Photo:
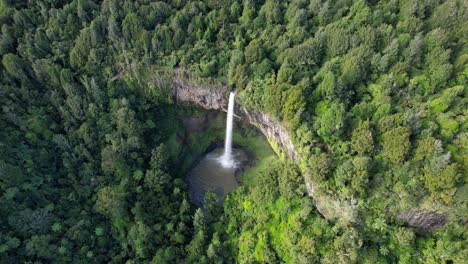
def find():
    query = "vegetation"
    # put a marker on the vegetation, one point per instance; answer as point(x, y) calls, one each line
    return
point(372, 92)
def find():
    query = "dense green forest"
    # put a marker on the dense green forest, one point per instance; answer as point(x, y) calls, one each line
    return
point(373, 94)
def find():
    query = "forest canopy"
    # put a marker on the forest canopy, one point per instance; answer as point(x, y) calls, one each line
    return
point(372, 93)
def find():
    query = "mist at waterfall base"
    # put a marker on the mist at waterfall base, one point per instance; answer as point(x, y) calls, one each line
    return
point(209, 175)
point(216, 171)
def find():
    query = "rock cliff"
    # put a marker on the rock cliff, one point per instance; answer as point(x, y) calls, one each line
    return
point(422, 219)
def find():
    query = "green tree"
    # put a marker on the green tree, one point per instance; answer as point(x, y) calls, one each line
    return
point(362, 138)
point(320, 165)
point(294, 106)
point(352, 176)
point(111, 202)
point(40, 246)
point(140, 237)
point(196, 248)
point(396, 144)
point(289, 181)
point(131, 26)
point(328, 86)
point(440, 177)
point(254, 52)
point(272, 11)
point(15, 66)
point(360, 11)
point(157, 178)
point(332, 122)
point(355, 64)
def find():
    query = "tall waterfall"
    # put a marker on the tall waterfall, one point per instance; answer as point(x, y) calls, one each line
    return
point(226, 158)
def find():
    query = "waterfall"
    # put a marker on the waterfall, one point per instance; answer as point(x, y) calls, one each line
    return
point(226, 158)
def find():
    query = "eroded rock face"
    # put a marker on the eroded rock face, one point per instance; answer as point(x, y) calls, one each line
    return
point(205, 96)
point(422, 219)
point(271, 129)
point(214, 98)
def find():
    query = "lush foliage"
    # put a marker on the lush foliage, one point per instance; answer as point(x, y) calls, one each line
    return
point(372, 92)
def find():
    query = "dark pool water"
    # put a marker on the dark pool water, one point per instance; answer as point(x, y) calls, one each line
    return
point(209, 175)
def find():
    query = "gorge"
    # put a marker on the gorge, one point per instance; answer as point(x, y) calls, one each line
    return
point(212, 96)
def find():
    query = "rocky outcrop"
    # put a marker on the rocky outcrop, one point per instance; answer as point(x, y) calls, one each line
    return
point(216, 98)
point(205, 96)
point(422, 219)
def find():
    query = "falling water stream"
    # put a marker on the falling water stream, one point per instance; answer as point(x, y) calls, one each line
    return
point(226, 159)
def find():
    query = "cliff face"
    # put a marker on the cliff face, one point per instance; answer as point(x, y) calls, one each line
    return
point(212, 98)
point(204, 96)
point(422, 219)
point(216, 98)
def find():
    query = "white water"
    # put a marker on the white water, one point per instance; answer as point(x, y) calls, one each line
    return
point(226, 159)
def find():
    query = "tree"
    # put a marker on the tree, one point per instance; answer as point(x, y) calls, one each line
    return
point(40, 246)
point(328, 85)
point(413, 53)
point(139, 237)
point(131, 26)
point(264, 68)
point(362, 138)
point(338, 39)
point(294, 106)
point(196, 247)
point(253, 52)
point(272, 11)
point(289, 181)
point(396, 144)
point(319, 164)
point(27, 222)
point(404, 236)
point(360, 12)
point(9, 244)
point(352, 176)
point(308, 54)
point(156, 178)
point(86, 41)
point(426, 147)
point(266, 189)
point(440, 177)
point(111, 202)
point(361, 175)
point(168, 254)
point(437, 59)
point(15, 66)
point(355, 64)
point(332, 122)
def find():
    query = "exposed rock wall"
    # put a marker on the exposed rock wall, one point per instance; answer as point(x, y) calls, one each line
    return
point(422, 219)
point(204, 96)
